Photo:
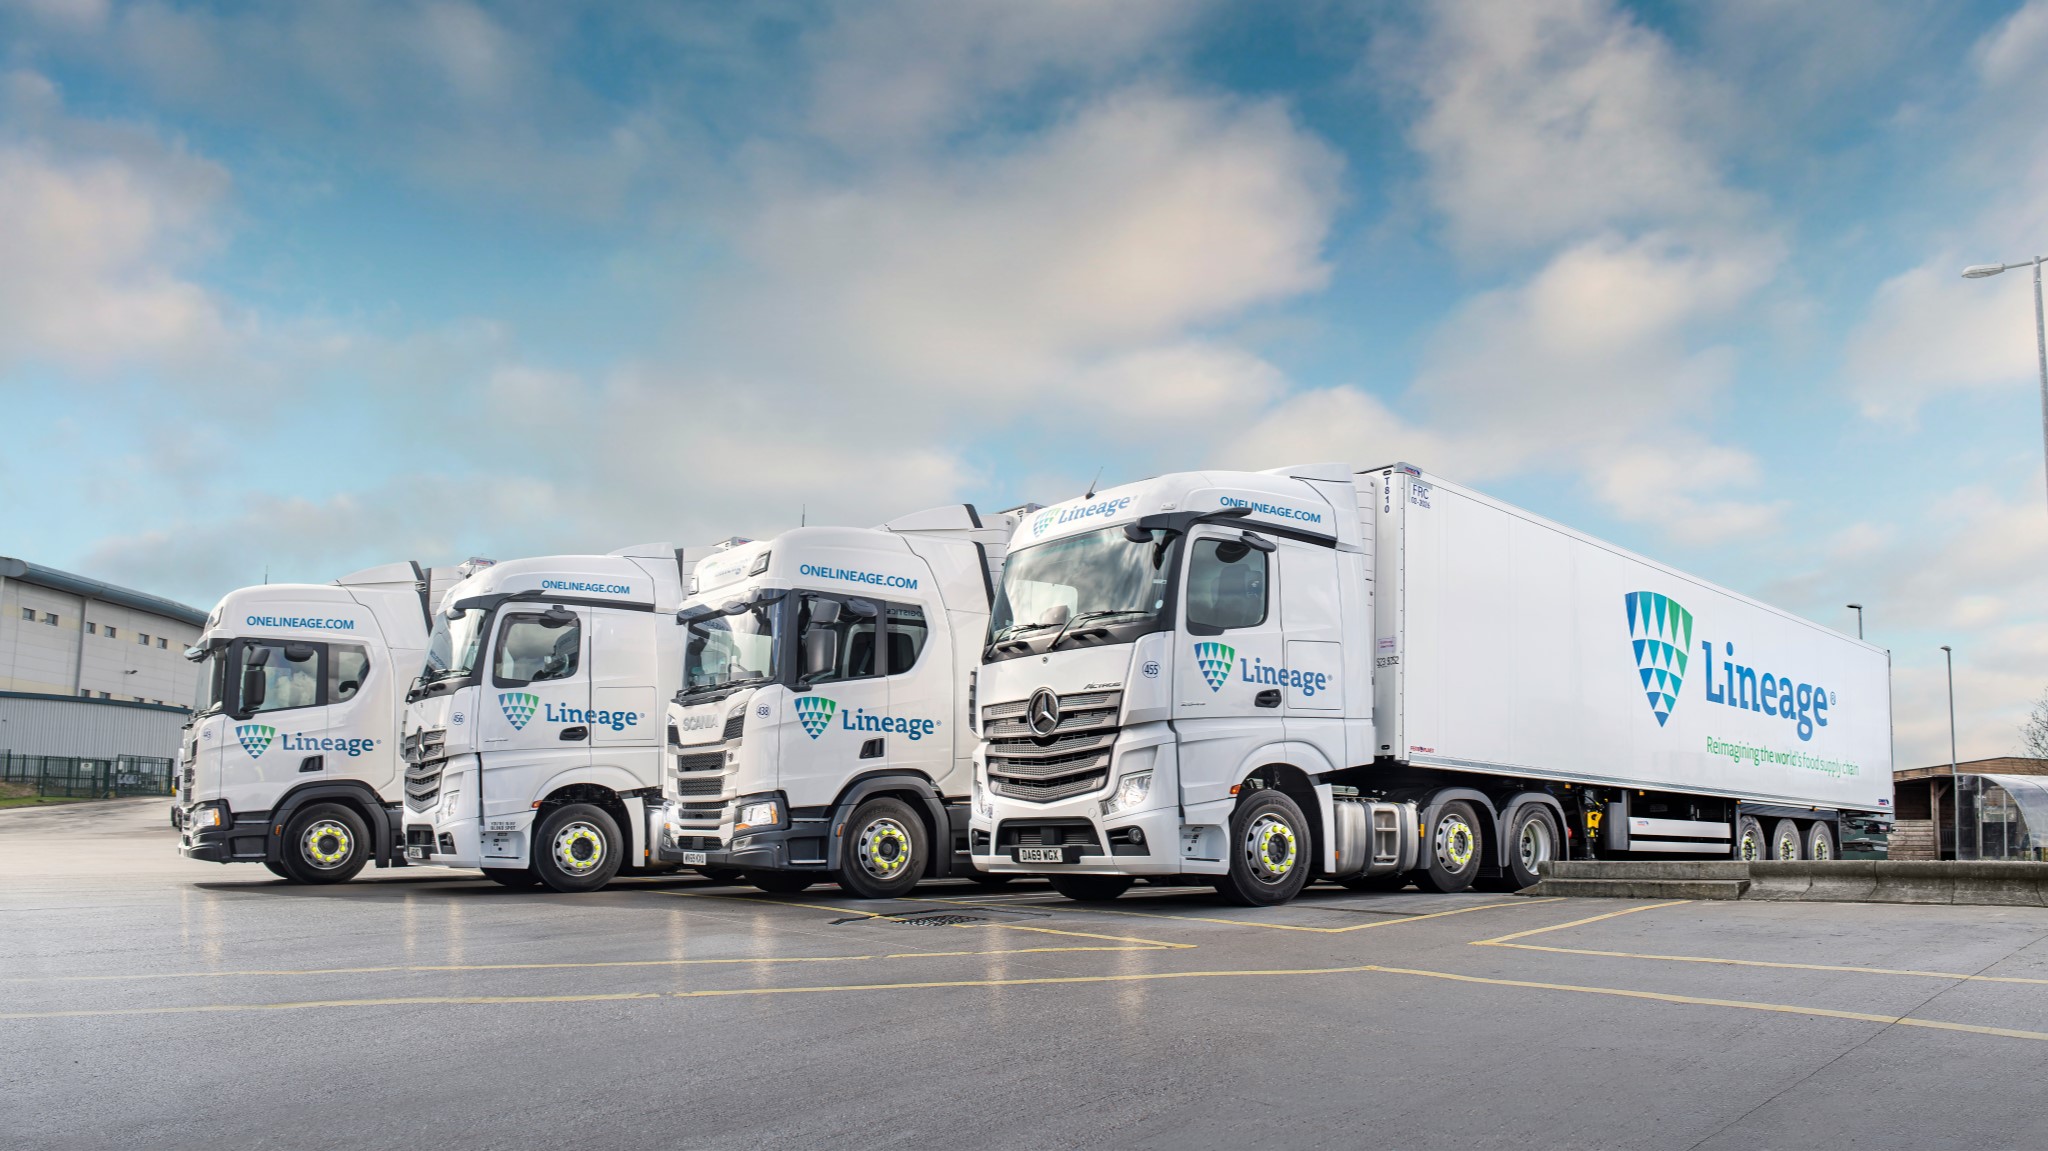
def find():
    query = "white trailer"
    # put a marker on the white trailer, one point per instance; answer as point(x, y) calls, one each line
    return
point(293, 760)
point(822, 730)
point(1256, 678)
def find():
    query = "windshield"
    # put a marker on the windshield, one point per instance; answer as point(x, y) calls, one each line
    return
point(453, 649)
point(1096, 575)
point(738, 646)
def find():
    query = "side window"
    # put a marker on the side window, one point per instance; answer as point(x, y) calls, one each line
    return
point(1226, 586)
point(346, 667)
point(907, 633)
point(534, 648)
point(836, 638)
point(279, 676)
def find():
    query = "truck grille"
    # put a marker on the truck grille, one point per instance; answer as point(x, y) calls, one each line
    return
point(423, 745)
point(1073, 761)
point(711, 785)
point(710, 761)
point(423, 784)
point(735, 724)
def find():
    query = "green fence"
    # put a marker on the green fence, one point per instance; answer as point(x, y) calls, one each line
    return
point(76, 777)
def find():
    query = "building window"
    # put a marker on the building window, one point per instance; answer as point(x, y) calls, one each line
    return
point(106, 695)
point(142, 637)
point(85, 693)
point(50, 617)
point(29, 614)
point(113, 632)
point(160, 643)
point(91, 628)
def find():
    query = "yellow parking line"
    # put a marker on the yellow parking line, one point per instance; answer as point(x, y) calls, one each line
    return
point(1314, 930)
point(1501, 940)
point(1042, 981)
point(1768, 963)
point(428, 968)
point(1151, 944)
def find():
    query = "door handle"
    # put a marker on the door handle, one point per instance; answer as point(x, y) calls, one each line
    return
point(573, 734)
point(1268, 698)
point(872, 749)
point(310, 763)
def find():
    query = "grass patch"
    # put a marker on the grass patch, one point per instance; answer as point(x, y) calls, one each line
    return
point(7, 801)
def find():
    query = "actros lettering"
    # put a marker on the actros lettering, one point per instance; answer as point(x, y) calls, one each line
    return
point(855, 575)
point(859, 720)
point(313, 622)
point(1255, 670)
point(579, 585)
point(1274, 510)
point(616, 720)
point(1740, 687)
point(348, 747)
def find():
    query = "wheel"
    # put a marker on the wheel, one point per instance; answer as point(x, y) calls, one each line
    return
point(512, 876)
point(325, 843)
point(1378, 882)
point(1090, 888)
point(278, 870)
point(578, 848)
point(1820, 841)
point(885, 850)
point(1532, 841)
point(1269, 855)
point(723, 874)
point(779, 882)
point(1785, 840)
point(1454, 849)
point(1750, 844)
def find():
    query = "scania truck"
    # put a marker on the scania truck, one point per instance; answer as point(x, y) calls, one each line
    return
point(1255, 679)
point(292, 761)
point(822, 729)
point(533, 735)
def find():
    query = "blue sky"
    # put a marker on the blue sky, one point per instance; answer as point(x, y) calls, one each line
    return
point(306, 287)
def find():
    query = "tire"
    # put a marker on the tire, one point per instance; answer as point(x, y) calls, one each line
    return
point(1090, 888)
point(1455, 849)
point(1378, 882)
point(1750, 844)
point(514, 877)
point(278, 870)
point(885, 850)
point(325, 843)
point(578, 848)
point(1820, 841)
point(779, 882)
point(1785, 840)
point(726, 875)
point(1532, 841)
point(1270, 856)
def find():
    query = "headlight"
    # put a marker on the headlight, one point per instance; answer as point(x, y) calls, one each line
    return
point(765, 814)
point(1131, 791)
point(981, 804)
point(208, 816)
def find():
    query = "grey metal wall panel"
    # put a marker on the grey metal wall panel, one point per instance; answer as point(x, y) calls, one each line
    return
point(87, 727)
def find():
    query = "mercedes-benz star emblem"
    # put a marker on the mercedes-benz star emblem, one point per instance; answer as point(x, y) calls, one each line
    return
point(1044, 713)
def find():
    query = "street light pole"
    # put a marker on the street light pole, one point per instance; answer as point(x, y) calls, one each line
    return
point(1978, 272)
point(1955, 796)
point(1858, 609)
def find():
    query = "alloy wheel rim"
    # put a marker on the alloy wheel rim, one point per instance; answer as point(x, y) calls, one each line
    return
point(1456, 844)
point(1270, 848)
point(327, 844)
point(1535, 844)
point(884, 849)
point(579, 848)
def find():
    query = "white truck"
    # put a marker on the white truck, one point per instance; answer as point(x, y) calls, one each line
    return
point(1253, 679)
point(292, 761)
point(532, 736)
point(822, 730)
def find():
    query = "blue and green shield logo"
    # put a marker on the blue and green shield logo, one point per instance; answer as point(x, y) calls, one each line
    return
point(255, 738)
point(1215, 660)
point(1662, 634)
point(814, 712)
point(518, 707)
point(1041, 522)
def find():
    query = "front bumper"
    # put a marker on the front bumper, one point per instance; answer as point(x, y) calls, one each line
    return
point(244, 838)
point(1104, 841)
point(800, 843)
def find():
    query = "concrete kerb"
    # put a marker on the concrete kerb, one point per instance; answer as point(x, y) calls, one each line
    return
point(1996, 883)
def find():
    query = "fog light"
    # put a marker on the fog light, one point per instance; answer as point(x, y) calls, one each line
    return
point(1138, 835)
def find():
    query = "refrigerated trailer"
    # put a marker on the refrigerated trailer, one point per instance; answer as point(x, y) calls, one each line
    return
point(1378, 677)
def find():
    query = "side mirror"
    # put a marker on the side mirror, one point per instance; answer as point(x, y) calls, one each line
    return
point(299, 652)
point(1056, 616)
point(821, 651)
point(1261, 542)
point(1136, 534)
point(556, 617)
point(824, 612)
point(252, 689)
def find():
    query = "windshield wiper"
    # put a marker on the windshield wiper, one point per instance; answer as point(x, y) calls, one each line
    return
point(724, 684)
point(1088, 615)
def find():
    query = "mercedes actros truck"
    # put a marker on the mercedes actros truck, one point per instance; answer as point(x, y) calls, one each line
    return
point(533, 733)
point(823, 726)
point(1255, 679)
point(292, 761)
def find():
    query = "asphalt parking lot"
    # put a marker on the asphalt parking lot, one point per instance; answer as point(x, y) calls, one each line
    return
point(152, 1001)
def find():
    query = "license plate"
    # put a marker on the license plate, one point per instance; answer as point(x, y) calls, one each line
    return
point(695, 858)
point(1041, 855)
point(415, 853)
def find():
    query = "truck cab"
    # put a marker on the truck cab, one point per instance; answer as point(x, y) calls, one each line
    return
point(822, 727)
point(292, 761)
point(532, 736)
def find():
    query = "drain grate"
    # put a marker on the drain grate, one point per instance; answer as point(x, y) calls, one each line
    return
point(907, 919)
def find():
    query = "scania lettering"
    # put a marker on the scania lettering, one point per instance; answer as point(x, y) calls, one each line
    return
point(293, 761)
point(823, 732)
point(531, 749)
point(1378, 678)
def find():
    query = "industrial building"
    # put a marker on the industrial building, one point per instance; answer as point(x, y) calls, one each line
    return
point(91, 669)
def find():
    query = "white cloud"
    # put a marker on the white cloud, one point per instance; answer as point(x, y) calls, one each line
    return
point(1931, 332)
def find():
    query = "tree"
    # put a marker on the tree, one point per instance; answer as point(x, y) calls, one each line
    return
point(2034, 732)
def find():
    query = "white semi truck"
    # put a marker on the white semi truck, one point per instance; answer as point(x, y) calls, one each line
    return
point(292, 761)
point(533, 736)
point(1253, 679)
point(822, 730)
